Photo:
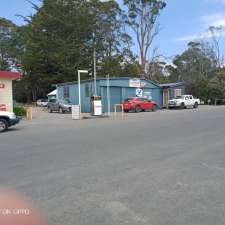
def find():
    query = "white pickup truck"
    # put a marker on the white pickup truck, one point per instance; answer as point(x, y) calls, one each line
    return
point(7, 119)
point(184, 101)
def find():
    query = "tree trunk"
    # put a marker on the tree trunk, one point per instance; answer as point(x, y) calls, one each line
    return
point(29, 96)
point(142, 46)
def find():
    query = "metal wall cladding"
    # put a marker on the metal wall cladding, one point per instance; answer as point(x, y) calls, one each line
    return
point(120, 89)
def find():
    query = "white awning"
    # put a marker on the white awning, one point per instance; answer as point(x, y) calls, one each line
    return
point(53, 93)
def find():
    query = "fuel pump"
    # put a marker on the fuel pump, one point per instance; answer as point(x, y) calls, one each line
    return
point(96, 105)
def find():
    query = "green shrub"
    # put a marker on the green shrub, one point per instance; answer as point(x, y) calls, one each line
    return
point(19, 111)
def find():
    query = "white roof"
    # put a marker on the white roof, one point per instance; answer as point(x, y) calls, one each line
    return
point(52, 93)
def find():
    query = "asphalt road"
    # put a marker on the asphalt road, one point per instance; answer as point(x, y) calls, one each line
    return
point(163, 168)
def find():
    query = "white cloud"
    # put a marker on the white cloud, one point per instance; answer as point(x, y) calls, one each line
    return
point(188, 38)
point(210, 20)
point(215, 1)
point(201, 36)
point(216, 19)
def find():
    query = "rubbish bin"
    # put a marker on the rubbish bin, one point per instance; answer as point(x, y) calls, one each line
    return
point(96, 105)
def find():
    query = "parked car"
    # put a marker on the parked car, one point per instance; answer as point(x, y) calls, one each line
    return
point(7, 119)
point(139, 104)
point(59, 105)
point(42, 102)
point(184, 101)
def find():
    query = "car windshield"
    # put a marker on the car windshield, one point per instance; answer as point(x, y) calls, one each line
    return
point(65, 101)
point(142, 99)
point(179, 97)
point(52, 100)
point(129, 99)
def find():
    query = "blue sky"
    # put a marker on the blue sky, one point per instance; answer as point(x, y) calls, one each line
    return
point(181, 21)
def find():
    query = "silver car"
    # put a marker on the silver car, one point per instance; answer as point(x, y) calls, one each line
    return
point(59, 105)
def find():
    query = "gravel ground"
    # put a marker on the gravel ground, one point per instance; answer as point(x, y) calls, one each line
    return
point(163, 168)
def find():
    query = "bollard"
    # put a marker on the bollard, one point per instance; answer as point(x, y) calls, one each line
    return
point(118, 106)
point(76, 112)
point(29, 113)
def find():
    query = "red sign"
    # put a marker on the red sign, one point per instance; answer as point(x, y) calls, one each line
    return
point(2, 107)
point(2, 85)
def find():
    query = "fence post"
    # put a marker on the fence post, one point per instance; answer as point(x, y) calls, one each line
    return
point(29, 113)
point(118, 106)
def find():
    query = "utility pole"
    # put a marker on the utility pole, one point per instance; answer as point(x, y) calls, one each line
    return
point(79, 88)
point(94, 65)
point(108, 95)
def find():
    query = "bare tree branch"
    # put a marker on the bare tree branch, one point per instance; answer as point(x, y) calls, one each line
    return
point(142, 16)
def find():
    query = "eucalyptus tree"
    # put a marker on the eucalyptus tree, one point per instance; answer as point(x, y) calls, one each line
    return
point(142, 17)
point(7, 30)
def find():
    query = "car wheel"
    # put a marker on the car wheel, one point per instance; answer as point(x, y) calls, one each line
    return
point(3, 125)
point(182, 106)
point(126, 111)
point(49, 110)
point(154, 108)
point(195, 105)
point(61, 110)
point(137, 109)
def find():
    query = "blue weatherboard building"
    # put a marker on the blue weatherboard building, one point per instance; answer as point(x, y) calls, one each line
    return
point(171, 90)
point(120, 88)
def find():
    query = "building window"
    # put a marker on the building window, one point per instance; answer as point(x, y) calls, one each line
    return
point(177, 92)
point(87, 90)
point(66, 92)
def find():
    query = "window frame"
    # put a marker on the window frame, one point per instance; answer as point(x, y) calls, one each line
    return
point(66, 92)
point(177, 92)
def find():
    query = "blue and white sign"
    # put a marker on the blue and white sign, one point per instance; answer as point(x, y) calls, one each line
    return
point(148, 95)
point(135, 83)
point(139, 92)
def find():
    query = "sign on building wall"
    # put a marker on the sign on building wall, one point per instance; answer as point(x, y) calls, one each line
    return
point(143, 84)
point(148, 95)
point(139, 92)
point(6, 99)
point(2, 107)
point(2, 86)
point(137, 83)
point(134, 83)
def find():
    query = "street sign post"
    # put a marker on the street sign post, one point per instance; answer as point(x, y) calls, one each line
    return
point(79, 91)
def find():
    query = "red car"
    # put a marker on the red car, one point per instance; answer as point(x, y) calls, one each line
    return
point(139, 104)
